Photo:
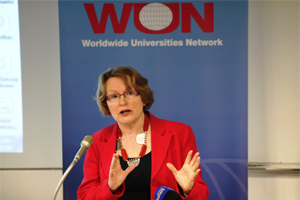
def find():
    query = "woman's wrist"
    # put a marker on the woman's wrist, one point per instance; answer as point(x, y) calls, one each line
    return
point(183, 192)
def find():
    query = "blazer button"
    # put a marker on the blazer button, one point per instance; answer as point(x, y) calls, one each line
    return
point(153, 183)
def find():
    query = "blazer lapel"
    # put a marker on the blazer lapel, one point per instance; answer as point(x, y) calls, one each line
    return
point(160, 141)
point(107, 149)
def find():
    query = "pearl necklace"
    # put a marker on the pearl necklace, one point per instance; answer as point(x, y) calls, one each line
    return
point(139, 138)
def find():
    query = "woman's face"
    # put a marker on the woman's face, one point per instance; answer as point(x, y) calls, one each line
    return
point(125, 111)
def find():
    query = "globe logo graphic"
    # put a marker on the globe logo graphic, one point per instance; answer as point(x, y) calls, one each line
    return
point(156, 16)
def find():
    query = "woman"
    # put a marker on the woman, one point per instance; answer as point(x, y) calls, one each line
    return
point(138, 154)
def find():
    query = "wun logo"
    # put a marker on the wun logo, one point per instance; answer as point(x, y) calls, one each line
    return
point(156, 16)
point(152, 18)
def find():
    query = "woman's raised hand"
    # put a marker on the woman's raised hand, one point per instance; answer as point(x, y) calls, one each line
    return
point(116, 174)
point(189, 171)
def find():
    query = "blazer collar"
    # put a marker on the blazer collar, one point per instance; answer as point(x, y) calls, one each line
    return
point(160, 141)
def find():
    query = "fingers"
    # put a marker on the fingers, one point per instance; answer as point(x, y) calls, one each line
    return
point(197, 173)
point(188, 157)
point(195, 159)
point(114, 162)
point(198, 161)
point(116, 174)
point(195, 162)
point(129, 169)
point(172, 168)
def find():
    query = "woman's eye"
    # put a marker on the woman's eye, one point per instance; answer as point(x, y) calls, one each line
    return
point(114, 96)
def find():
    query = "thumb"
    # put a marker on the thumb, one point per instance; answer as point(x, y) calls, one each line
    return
point(129, 169)
point(172, 168)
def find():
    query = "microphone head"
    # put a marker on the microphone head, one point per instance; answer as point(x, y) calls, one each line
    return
point(165, 193)
point(87, 141)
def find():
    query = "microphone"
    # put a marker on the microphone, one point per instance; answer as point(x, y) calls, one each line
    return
point(85, 144)
point(165, 193)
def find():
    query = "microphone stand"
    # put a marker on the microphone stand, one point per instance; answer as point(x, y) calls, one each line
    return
point(85, 144)
point(64, 177)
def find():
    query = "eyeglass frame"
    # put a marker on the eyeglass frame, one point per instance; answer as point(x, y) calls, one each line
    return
point(119, 95)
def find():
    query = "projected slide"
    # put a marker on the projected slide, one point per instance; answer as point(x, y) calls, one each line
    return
point(11, 115)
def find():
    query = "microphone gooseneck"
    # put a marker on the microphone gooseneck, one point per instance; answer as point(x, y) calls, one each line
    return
point(85, 144)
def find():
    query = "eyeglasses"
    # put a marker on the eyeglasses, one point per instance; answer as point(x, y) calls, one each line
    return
point(127, 95)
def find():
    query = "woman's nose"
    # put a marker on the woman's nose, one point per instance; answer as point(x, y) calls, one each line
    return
point(122, 100)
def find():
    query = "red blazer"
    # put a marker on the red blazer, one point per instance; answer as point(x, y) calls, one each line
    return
point(171, 141)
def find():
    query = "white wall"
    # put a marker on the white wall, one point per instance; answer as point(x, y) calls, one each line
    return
point(273, 97)
point(274, 81)
point(273, 133)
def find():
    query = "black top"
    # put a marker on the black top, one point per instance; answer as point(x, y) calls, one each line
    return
point(137, 183)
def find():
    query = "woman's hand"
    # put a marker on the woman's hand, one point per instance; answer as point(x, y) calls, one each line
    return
point(116, 174)
point(186, 175)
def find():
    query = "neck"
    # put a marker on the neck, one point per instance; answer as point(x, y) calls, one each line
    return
point(133, 129)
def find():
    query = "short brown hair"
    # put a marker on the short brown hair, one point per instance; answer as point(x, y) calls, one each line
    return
point(138, 82)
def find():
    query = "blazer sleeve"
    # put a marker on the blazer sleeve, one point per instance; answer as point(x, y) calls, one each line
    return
point(94, 185)
point(200, 190)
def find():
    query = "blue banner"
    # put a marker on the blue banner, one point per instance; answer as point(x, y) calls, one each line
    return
point(195, 56)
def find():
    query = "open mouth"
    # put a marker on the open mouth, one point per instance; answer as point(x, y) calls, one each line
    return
point(124, 111)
